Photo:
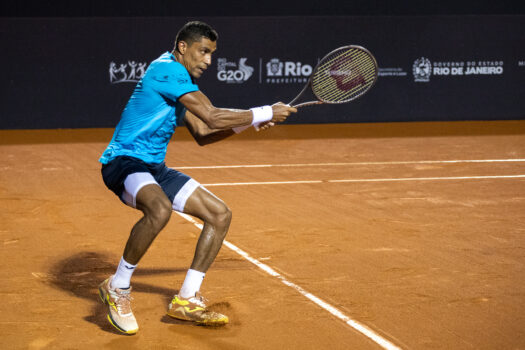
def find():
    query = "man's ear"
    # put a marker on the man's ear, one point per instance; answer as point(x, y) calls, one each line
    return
point(182, 47)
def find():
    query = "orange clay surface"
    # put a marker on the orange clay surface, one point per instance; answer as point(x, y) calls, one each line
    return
point(422, 253)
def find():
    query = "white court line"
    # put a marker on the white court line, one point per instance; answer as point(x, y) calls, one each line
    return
point(385, 344)
point(350, 164)
point(365, 180)
point(264, 183)
point(434, 178)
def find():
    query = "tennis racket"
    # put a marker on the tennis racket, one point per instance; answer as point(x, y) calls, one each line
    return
point(341, 76)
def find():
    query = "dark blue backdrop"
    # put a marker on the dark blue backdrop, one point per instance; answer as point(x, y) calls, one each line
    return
point(69, 73)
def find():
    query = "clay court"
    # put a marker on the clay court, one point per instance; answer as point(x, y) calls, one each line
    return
point(407, 235)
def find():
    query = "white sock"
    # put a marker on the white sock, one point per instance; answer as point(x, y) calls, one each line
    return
point(122, 277)
point(192, 283)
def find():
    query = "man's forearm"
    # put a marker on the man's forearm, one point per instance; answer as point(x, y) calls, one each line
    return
point(214, 137)
point(223, 118)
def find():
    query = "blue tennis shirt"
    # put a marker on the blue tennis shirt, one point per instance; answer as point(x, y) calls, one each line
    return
point(152, 113)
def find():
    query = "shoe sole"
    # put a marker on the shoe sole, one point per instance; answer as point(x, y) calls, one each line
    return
point(101, 294)
point(218, 323)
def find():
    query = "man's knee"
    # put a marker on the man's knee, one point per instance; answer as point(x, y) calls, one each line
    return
point(155, 205)
point(158, 212)
point(222, 215)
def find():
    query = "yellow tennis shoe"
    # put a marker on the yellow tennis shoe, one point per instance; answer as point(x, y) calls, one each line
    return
point(119, 304)
point(194, 309)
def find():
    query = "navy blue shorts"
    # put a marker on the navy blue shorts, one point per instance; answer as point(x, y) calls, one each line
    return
point(125, 176)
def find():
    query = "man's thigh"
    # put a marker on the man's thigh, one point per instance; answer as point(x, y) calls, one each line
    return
point(177, 186)
point(189, 196)
point(125, 176)
point(205, 205)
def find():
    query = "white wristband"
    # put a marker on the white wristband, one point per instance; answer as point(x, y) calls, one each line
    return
point(261, 114)
point(240, 129)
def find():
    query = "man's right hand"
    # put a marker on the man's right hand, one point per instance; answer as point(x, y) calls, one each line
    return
point(281, 111)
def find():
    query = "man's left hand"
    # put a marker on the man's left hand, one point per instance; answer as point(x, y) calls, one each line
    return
point(265, 126)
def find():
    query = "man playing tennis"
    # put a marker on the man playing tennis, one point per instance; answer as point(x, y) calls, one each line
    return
point(134, 169)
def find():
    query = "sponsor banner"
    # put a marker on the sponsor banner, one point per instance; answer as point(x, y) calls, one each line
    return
point(129, 72)
point(423, 68)
point(285, 72)
point(80, 72)
point(392, 72)
point(233, 72)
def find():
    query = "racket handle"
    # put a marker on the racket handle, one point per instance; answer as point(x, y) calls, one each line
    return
point(305, 104)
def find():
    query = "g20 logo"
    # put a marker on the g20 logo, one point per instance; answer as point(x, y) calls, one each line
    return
point(231, 72)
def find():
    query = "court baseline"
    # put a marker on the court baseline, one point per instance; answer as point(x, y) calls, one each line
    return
point(366, 180)
point(352, 163)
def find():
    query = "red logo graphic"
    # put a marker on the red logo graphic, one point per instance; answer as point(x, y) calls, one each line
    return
point(345, 74)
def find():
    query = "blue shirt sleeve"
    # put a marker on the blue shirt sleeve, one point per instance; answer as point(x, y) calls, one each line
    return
point(172, 81)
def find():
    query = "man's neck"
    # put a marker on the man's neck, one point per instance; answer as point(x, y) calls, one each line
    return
point(177, 55)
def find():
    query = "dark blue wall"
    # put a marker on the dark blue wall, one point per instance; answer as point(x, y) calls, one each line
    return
point(58, 72)
point(214, 8)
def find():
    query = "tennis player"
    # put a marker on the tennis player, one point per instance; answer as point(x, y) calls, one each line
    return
point(133, 168)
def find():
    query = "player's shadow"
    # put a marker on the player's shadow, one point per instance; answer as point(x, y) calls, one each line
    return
point(80, 275)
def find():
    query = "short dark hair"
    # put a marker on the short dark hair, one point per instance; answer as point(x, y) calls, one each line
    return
point(194, 31)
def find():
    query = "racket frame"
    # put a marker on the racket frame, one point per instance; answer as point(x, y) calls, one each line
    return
point(309, 83)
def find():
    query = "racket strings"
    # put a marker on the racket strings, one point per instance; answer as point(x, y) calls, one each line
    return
point(349, 75)
point(352, 57)
point(348, 63)
point(340, 94)
point(344, 75)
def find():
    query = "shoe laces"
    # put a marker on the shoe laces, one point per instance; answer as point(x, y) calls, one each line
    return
point(199, 299)
point(123, 300)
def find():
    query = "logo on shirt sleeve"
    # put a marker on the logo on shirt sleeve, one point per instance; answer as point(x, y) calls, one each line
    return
point(181, 79)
